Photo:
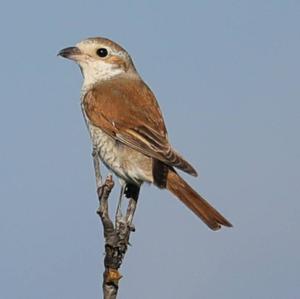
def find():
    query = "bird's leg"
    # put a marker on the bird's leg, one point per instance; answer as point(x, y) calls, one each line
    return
point(119, 206)
point(103, 191)
point(96, 162)
point(131, 192)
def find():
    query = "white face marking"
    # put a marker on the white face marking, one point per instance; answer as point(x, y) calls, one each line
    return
point(97, 70)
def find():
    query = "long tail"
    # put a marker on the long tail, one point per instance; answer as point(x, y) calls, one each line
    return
point(195, 202)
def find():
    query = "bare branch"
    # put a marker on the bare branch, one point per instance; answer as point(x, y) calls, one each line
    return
point(116, 236)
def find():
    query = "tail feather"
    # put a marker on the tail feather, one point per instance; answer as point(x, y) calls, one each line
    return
point(176, 160)
point(195, 202)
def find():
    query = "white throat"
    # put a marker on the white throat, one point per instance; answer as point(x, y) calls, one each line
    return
point(97, 71)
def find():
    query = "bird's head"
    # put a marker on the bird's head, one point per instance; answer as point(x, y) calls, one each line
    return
point(99, 59)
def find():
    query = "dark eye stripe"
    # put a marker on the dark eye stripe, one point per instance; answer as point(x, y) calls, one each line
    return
point(102, 52)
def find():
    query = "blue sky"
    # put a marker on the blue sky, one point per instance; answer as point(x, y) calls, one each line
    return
point(226, 75)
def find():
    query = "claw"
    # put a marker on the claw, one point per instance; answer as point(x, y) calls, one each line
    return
point(132, 227)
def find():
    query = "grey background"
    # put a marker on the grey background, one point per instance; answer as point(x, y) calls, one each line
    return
point(226, 74)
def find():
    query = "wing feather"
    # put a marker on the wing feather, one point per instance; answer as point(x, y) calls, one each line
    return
point(127, 110)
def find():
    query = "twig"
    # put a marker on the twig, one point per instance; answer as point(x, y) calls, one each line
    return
point(116, 236)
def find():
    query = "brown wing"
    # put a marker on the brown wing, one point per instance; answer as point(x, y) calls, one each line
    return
point(127, 110)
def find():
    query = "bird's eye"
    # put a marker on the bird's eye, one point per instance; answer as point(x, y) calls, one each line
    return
point(102, 52)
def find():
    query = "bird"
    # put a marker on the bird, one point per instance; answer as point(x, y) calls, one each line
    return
point(127, 128)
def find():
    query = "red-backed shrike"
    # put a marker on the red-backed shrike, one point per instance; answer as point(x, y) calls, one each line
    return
point(127, 127)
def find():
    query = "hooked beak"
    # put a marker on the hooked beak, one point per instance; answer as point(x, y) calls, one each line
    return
point(70, 53)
